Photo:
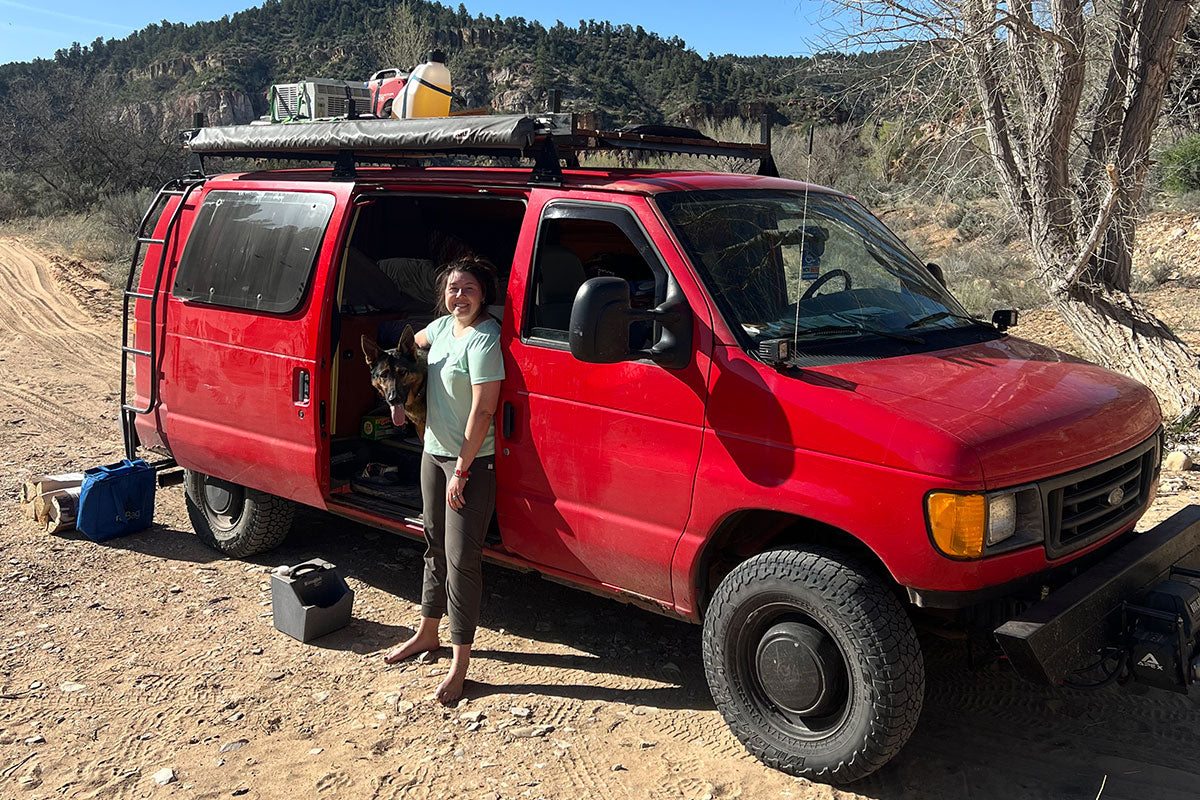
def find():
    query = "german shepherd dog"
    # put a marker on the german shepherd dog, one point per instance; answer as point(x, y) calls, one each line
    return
point(399, 377)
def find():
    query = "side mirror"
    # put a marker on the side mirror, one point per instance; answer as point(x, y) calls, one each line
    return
point(937, 273)
point(1005, 319)
point(600, 320)
point(599, 327)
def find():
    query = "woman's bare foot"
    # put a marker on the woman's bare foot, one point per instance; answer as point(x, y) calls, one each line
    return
point(451, 688)
point(425, 639)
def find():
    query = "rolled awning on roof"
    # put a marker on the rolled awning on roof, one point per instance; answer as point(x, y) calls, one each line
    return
point(514, 132)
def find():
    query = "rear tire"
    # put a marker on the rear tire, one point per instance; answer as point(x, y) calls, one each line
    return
point(813, 663)
point(237, 521)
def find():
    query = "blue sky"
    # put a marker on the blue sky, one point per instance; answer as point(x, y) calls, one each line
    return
point(36, 28)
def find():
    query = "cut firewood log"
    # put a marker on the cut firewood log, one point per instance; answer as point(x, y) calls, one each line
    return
point(29, 510)
point(64, 508)
point(43, 502)
point(50, 483)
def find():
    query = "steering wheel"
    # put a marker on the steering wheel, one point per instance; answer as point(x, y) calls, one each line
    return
point(824, 279)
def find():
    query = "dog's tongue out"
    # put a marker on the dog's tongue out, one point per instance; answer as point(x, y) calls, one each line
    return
point(398, 417)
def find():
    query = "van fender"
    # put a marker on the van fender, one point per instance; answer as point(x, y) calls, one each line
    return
point(699, 565)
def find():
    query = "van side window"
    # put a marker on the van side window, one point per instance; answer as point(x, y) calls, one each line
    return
point(253, 250)
point(571, 250)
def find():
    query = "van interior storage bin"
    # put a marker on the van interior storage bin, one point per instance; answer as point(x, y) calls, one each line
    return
point(310, 600)
point(116, 500)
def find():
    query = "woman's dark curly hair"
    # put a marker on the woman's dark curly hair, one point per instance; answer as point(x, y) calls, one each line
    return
point(478, 268)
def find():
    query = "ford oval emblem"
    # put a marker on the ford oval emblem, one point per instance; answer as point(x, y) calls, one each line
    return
point(1115, 497)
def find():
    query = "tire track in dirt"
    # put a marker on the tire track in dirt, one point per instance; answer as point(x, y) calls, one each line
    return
point(33, 306)
point(60, 363)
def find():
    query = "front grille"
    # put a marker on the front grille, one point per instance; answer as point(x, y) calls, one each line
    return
point(1092, 502)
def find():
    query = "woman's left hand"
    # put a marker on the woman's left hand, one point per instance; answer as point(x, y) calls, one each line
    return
point(455, 489)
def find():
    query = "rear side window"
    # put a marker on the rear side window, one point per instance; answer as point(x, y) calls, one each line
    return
point(253, 250)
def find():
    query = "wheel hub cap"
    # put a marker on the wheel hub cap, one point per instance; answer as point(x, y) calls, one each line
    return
point(220, 496)
point(800, 668)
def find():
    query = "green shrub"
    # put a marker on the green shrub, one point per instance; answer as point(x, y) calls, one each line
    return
point(16, 196)
point(974, 223)
point(122, 213)
point(1181, 165)
point(954, 217)
point(1153, 274)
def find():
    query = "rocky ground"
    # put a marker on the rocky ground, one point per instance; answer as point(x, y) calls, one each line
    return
point(148, 666)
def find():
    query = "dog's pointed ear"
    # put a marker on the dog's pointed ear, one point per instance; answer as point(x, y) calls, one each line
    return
point(370, 350)
point(408, 341)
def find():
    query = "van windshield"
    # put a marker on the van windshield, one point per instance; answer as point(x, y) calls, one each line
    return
point(820, 271)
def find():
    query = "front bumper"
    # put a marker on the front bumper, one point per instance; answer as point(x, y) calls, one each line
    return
point(1058, 635)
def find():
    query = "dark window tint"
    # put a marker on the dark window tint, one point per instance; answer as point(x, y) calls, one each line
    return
point(571, 251)
point(253, 249)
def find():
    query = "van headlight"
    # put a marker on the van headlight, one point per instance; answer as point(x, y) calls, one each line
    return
point(1002, 518)
point(967, 525)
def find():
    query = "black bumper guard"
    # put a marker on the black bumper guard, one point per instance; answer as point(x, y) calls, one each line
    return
point(1055, 636)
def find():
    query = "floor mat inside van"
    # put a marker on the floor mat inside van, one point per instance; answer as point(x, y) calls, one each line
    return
point(405, 494)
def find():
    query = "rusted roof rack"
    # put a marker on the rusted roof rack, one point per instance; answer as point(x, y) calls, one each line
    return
point(548, 139)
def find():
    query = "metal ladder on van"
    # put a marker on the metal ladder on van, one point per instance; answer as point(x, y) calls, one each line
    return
point(177, 187)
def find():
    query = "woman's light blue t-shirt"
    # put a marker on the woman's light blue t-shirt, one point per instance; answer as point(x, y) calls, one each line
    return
point(455, 365)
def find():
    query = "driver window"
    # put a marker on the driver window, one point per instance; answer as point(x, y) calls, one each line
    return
point(571, 250)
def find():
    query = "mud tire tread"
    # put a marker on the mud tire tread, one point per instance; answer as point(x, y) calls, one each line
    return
point(263, 525)
point(875, 634)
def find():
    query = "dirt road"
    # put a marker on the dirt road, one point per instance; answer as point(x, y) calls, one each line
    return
point(152, 652)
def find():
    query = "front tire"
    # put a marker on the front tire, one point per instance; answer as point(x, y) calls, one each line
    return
point(237, 521)
point(813, 663)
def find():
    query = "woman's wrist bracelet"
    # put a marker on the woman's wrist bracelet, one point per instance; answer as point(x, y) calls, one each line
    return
point(462, 473)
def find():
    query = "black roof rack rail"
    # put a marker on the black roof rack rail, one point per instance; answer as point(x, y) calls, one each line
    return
point(547, 139)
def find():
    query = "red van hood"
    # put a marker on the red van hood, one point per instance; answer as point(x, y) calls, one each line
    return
point(1027, 411)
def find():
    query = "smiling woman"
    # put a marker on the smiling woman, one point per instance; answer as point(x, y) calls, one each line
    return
point(458, 479)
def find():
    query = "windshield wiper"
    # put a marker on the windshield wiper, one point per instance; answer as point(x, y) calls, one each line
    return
point(937, 316)
point(826, 329)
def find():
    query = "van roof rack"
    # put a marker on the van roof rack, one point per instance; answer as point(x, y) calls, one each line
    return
point(547, 138)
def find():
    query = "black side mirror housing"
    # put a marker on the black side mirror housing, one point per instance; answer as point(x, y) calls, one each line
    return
point(599, 327)
point(937, 273)
point(600, 320)
point(1005, 319)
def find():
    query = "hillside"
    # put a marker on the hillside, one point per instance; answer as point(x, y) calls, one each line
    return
point(507, 64)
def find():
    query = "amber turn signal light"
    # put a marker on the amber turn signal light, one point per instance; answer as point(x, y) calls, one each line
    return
point(957, 522)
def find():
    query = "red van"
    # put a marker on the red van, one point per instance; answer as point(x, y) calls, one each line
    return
point(731, 398)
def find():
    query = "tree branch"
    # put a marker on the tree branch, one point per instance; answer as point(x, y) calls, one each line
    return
point(1107, 123)
point(1099, 227)
point(1014, 23)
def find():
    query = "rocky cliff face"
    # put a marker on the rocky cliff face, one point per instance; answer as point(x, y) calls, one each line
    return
point(181, 66)
point(220, 107)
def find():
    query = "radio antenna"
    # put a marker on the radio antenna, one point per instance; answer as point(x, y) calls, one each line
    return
point(803, 236)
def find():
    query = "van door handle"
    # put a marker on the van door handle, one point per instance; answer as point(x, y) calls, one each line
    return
point(301, 387)
point(507, 415)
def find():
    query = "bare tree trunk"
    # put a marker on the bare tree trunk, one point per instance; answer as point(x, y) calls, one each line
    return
point(1125, 336)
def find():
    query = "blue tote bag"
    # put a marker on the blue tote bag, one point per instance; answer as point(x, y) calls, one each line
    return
point(116, 500)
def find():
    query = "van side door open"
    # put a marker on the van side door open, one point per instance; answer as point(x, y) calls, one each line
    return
point(243, 366)
point(595, 462)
